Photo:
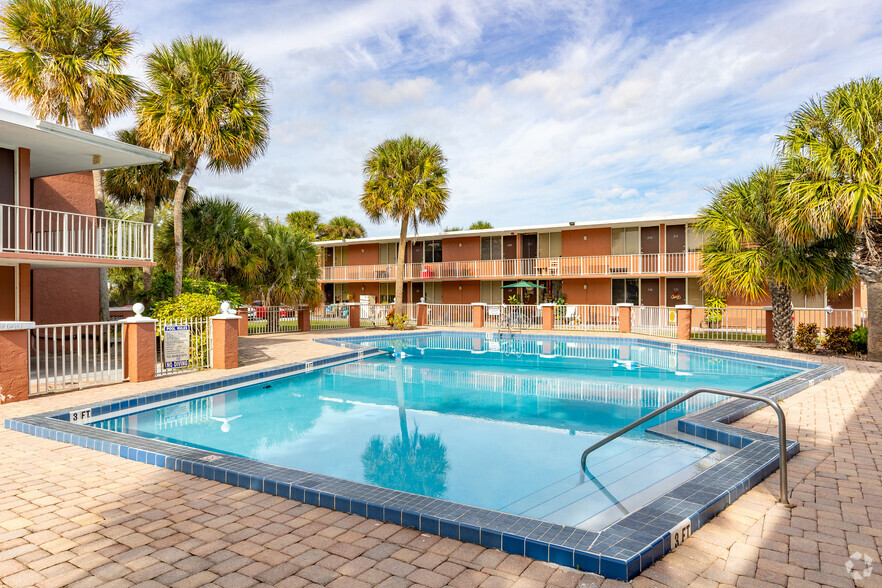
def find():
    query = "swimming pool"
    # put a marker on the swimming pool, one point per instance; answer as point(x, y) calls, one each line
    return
point(472, 437)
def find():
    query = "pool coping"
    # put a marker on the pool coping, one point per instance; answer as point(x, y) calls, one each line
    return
point(620, 551)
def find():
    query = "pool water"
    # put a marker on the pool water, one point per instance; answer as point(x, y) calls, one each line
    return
point(498, 425)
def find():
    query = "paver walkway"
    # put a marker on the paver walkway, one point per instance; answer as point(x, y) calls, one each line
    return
point(70, 516)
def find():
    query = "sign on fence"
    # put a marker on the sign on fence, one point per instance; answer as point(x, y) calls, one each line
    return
point(493, 311)
point(177, 346)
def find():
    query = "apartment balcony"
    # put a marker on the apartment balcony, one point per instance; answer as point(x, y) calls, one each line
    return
point(66, 239)
point(617, 266)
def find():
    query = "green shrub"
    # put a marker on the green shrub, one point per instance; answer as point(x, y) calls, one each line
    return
point(163, 285)
point(186, 306)
point(858, 338)
point(399, 322)
point(714, 302)
point(837, 340)
point(807, 337)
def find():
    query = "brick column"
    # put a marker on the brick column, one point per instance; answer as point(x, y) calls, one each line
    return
point(225, 339)
point(625, 309)
point(478, 315)
point(422, 313)
point(354, 315)
point(684, 321)
point(770, 325)
point(303, 324)
point(139, 346)
point(243, 322)
point(547, 316)
point(14, 375)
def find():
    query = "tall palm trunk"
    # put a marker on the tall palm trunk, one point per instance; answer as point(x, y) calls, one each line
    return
point(399, 274)
point(85, 124)
point(149, 214)
point(178, 220)
point(782, 315)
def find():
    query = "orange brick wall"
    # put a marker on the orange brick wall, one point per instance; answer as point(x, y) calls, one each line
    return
point(461, 249)
point(574, 243)
point(451, 294)
point(599, 291)
point(367, 254)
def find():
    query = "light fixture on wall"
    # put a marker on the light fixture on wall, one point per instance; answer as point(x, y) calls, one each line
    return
point(460, 244)
point(362, 249)
point(460, 288)
point(584, 237)
point(362, 288)
point(584, 287)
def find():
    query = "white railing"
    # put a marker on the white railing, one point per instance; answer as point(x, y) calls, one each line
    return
point(263, 320)
point(654, 320)
point(199, 341)
point(586, 317)
point(74, 356)
point(374, 315)
point(729, 324)
point(518, 316)
point(831, 317)
point(329, 316)
point(449, 315)
point(38, 231)
point(588, 265)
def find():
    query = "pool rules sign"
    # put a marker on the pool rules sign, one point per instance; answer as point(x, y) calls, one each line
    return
point(177, 346)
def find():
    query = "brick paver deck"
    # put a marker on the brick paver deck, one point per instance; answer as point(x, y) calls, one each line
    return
point(70, 516)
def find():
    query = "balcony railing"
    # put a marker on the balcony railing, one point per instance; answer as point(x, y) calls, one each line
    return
point(51, 232)
point(544, 267)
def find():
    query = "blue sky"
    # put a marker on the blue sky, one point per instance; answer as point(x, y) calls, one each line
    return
point(547, 111)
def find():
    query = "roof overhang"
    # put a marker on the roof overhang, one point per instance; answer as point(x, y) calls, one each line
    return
point(56, 149)
point(572, 225)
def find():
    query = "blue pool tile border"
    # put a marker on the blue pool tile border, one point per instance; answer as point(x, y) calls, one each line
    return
point(620, 551)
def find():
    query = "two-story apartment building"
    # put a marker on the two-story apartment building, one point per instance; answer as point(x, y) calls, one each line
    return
point(51, 241)
point(650, 262)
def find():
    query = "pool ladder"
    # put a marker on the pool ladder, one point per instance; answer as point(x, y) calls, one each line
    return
point(782, 430)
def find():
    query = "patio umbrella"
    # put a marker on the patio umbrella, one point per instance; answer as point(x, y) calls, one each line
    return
point(523, 284)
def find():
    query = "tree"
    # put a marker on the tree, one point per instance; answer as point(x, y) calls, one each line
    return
point(744, 251)
point(304, 220)
point(452, 229)
point(289, 270)
point(833, 153)
point(66, 59)
point(340, 227)
point(147, 185)
point(478, 225)
point(204, 101)
point(220, 236)
point(405, 182)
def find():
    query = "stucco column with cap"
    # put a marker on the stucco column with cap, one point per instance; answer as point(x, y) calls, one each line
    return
point(684, 321)
point(547, 316)
point(139, 346)
point(770, 325)
point(303, 323)
point(478, 315)
point(354, 315)
point(422, 314)
point(14, 375)
point(225, 339)
point(243, 322)
point(625, 309)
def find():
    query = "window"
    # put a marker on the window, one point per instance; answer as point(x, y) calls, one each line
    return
point(432, 251)
point(388, 253)
point(432, 292)
point(808, 301)
point(626, 241)
point(387, 294)
point(549, 245)
point(491, 292)
point(694, 239)
point(491, 248)
point(626, 290)
point(341, 292)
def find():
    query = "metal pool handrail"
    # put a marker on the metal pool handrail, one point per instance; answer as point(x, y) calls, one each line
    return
point(782, 429)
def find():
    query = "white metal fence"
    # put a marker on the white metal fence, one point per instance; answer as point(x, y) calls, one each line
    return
point(729, 324)
point(449, 315)
point(34, 230)
point(831, 317)
point(654, 320)
point(586, 317)
point(74, 356)
point(329, 316)
point(198, 346)
point(272, 319)
point(516, 316)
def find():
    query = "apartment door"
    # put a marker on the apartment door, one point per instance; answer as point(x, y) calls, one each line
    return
point(649, 247)
point(509, 252)
point(649, 294)
point(675, 248)
point(529, 253)
point(417, 291)
point(7, 196)
point(675, 291)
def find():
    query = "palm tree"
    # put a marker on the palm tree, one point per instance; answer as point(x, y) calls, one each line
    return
point(833, 154)
point(478, 225)
point(405, 182)
point(220, 235)
point(744, 252)
point(204, 101)
point(289, 270)
point(66, 59)
point(148, 185)
point(304, 220)
point(341, 227)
